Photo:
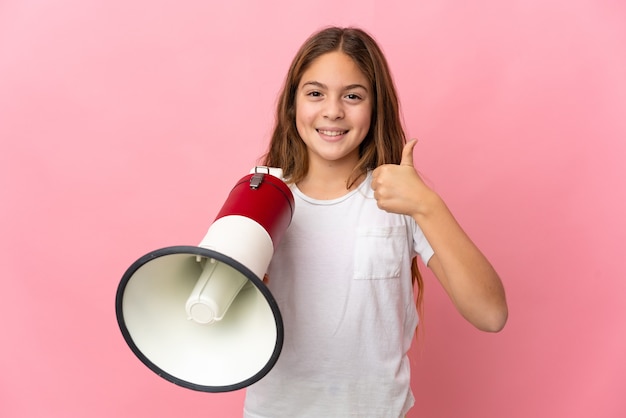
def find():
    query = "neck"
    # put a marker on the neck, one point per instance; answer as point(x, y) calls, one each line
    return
point(328, 181)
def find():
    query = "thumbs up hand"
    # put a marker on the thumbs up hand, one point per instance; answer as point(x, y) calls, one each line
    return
point(398, 188)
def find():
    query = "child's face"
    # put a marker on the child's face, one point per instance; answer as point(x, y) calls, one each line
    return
point(333, 109)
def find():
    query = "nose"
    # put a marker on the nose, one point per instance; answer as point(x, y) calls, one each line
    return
point(333, 109)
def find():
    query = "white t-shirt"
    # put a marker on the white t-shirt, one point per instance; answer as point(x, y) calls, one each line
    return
point(342, 279)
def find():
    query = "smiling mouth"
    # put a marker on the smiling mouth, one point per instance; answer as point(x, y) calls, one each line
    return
point(331, 133)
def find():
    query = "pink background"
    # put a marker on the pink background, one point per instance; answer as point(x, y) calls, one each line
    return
point(124, 124)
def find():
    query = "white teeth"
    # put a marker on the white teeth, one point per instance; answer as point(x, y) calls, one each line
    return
point(332, 133)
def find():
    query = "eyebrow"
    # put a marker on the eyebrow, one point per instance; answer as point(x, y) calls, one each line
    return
point(324, 86)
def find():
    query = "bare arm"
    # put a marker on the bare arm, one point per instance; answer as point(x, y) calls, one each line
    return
point(464, 272)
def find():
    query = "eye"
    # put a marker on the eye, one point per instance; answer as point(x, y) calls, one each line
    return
point(314, 93)
point(353, 96)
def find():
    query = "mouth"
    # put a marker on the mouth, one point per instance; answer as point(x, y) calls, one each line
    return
point(331, 132)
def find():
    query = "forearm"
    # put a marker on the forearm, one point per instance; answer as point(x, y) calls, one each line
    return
point(465, 273)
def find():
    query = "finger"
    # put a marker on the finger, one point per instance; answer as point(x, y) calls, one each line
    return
point(407, 153)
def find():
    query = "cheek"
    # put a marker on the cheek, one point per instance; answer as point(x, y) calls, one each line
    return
point(300, 124)
point(298, 119)
point(365, 120)
point(304, 117)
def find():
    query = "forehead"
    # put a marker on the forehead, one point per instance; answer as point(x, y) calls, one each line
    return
point(335, 70)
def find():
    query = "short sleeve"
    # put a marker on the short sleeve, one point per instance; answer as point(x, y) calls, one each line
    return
point(421, 246)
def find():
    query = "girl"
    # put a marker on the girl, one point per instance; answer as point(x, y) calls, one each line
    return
point(342, 274)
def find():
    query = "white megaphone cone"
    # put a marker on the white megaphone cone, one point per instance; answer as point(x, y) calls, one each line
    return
point(201, 316)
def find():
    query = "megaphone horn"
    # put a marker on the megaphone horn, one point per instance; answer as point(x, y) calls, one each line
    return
point(201, 316)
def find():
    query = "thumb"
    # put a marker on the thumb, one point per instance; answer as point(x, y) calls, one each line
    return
point(407, 153)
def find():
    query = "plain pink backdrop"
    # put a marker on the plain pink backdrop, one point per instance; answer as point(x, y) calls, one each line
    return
point(124, 124)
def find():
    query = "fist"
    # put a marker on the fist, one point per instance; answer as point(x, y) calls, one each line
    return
point(397, 187)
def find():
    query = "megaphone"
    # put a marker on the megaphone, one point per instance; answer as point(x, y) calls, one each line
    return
point(201, 316)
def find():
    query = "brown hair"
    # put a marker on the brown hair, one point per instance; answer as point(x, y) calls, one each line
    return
point(383, 143)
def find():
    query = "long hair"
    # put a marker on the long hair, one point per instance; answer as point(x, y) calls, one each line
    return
point(385, 139)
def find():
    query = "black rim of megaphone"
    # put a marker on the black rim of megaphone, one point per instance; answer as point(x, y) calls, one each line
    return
point(203, 252)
